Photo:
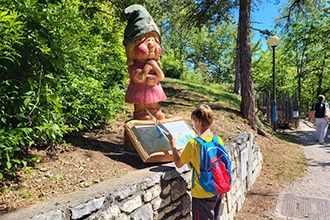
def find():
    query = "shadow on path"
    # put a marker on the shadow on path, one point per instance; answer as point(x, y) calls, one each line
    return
point(309, 196)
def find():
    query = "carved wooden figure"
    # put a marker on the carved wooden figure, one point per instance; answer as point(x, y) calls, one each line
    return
point(142, 44)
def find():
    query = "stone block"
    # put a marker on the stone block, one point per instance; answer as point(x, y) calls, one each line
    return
point(111, 212)
point(151, 193)
point(171, 174)
point(167, 189)
point(145, 212)
point(159, 203)
point(122, 216)
point(131, 204)
point(124, 192)
point(186, 203)
point(87, 208)
point(149, 182)
point(178, 188)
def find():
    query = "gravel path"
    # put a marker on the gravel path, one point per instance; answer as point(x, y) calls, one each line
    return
point(309, 196)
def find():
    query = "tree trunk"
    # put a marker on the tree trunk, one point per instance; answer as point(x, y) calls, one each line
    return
point(248, 99)
point(237, 86)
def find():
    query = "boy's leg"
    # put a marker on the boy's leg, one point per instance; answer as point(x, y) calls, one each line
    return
point(217, 208)
point(206, 209)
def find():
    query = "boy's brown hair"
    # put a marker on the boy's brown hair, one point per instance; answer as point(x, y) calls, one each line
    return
point(204, 114)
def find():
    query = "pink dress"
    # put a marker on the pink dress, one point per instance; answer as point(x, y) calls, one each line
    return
point(141, 93)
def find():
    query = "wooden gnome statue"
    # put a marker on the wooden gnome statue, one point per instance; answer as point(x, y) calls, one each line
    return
point(142, 44)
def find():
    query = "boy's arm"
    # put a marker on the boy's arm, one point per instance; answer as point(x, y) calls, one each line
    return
point(175, 152)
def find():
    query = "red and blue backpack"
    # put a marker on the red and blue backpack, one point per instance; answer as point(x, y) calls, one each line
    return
point(215, 169)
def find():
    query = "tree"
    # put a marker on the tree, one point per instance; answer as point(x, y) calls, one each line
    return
point(237, 83)
point(248, 98)
point(305, 36)
point(212, 11)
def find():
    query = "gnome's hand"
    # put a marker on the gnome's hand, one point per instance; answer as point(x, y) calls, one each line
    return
point(157, 69)
point(153, 79)
point(142, 74)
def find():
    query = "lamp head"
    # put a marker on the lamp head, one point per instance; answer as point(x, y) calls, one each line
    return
point(273, 41)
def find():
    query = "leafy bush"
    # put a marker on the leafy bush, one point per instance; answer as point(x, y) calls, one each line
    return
point(62, 67)
point(10, 35)
point(172, 67)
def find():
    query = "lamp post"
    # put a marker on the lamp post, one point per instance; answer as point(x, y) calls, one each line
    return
point(273, 42)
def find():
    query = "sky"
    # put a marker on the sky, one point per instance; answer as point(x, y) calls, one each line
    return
point(264, 18)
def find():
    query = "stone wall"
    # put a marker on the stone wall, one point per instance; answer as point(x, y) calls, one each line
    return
point(161, 192)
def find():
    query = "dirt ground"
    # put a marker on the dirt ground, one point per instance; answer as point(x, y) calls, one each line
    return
point(100, 155)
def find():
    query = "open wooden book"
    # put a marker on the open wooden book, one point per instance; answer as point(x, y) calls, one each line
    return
point(149, 137)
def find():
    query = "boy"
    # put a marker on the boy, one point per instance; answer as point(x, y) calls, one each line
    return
point(204, 204)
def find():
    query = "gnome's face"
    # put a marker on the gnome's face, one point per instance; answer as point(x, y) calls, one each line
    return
point(149, 48)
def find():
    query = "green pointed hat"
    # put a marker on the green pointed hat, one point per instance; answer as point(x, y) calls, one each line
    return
point(139, 22)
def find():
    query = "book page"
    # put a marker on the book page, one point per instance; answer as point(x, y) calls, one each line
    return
point(181, 132)
point(152, 138)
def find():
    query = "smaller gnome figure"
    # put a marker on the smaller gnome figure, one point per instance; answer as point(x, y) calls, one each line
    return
point(142, 44)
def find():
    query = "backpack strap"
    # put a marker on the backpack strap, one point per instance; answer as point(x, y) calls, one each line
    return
point(201, 141)
point(198, 160)
point(193, 177)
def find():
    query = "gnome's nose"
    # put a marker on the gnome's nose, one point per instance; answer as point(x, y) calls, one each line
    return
point(150, 41)
point(151, 44)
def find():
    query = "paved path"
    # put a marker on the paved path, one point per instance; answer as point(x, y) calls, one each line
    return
point(309, 196)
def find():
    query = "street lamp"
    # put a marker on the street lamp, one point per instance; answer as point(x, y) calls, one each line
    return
point(273, 42)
